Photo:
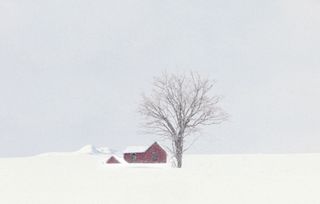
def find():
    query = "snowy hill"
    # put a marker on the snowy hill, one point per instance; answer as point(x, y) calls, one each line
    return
point(223, 179)
point(90, 149)
point(87, 149)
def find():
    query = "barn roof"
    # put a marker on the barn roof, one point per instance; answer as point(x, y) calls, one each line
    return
point(135, 149)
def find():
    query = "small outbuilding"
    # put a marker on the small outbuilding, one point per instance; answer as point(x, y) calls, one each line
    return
point(113, 160)
point(145, 154)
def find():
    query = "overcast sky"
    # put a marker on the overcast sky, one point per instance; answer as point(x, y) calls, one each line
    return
point(72, 71)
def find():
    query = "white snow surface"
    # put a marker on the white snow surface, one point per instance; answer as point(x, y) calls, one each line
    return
point(204, 179)
point(135, 149)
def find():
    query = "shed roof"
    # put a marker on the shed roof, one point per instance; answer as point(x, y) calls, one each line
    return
point(120, 159)
point(112, 161)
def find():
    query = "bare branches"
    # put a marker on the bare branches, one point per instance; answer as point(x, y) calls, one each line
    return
point(178, 108)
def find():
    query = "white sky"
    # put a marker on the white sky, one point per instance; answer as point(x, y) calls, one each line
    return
point(72, 71)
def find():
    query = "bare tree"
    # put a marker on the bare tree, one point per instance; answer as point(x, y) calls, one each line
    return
point(178, 107)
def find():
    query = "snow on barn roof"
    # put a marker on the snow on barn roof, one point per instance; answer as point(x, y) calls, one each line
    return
point(135, 149)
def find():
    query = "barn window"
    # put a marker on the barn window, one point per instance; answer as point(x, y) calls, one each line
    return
point(133, 156)
point(154, 156)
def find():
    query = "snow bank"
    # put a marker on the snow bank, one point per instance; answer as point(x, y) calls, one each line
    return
point(87, 149)
point(205, 179)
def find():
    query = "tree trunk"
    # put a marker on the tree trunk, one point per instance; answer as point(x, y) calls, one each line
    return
point(179, 151)
point(179, 160)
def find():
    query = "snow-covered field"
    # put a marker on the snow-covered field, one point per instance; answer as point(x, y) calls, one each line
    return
point(214, 179)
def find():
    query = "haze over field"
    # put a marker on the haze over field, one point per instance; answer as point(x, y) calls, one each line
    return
point(72, 71)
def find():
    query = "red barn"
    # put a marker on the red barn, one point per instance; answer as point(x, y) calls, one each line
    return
point(141, 154)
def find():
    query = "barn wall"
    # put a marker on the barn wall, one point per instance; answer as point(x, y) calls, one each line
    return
point(162, 155)
point(139, 156)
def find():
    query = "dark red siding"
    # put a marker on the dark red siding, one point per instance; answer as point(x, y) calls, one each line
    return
point(154, 154)
point(112, 160)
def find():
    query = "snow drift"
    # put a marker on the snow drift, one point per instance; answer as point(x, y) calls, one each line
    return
point(86, 150)
point(223, 179)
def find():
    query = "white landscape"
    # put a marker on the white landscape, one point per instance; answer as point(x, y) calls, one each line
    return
point(230, 87)
point(82, 177)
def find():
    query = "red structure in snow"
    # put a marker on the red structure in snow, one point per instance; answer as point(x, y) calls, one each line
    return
point(112, 160)
point(153, 154)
